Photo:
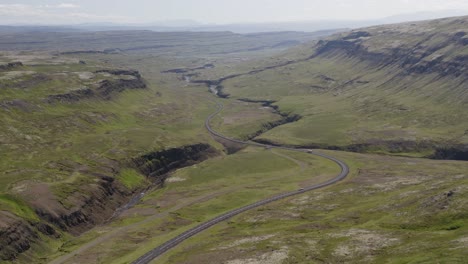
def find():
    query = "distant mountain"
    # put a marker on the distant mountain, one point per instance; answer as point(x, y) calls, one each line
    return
point(25, 29)
point(391, 88)
point(418, 16)
point(243, 28)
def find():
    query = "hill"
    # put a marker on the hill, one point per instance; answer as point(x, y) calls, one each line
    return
point(397, 89)
point(88, 117)
point(105, 154)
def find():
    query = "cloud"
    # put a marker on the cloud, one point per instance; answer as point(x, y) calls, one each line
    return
point(67, 5)
point(64, 13)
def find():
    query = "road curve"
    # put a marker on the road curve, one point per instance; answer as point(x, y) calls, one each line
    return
point(149, 256)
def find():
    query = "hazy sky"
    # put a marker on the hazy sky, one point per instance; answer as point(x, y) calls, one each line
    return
point(210, 11)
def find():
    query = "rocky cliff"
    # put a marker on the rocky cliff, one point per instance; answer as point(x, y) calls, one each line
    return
point(89, 201)
point(104, 89)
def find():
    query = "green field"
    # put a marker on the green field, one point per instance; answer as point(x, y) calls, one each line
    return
point(408, 211)
point(93, 121)
point(204, 191)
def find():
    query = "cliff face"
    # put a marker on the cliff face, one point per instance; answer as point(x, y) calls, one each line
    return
point(156, 165)
point(11, 65)
point(91, 204)
point(417, 48)
point(105, 89)
point(96, 197)
point(16, 236)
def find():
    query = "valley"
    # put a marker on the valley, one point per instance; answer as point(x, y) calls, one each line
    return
point(113, 143)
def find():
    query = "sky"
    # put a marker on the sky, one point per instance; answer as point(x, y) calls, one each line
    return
point(211, 11)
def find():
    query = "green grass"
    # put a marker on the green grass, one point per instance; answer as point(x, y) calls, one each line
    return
point(389, 210)
point(341, 113)
point(131, 178)
point(18, 207)
point(64, 144)
point(211, 188)
point(132, 123)
point(242, 120)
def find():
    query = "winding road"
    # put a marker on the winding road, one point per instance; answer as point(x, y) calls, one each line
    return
point(149, 256)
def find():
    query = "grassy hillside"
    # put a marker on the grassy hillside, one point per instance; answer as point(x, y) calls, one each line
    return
point(162, 43)
point(391, 210)
point(70, 130)
point(90, 120)
point(398, 88)
point(195, 194)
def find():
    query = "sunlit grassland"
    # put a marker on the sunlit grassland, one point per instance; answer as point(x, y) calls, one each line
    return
point(242, 120)
point(344, 101)
point(219, 185)
point(395, 210)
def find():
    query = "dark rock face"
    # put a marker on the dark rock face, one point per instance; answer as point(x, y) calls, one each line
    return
point(16, 236)
point(47, 230)
point(96, 203)
point(285, 117)
point(421, 59)
point(11, 65)
point(73, 96)
point(452, 153)
point(357, 34)
point(157, 164)
point(105, 89)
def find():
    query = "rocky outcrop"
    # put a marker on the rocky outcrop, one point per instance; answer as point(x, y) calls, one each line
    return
point(91, 204)
point(16, 236)
point(11, 65)
point(73, 96)
point(351, 49)
point(427, 56)
point(93, 201)
point(157, 164)
point(459, 152)
point(285, 117)
point(105, 88)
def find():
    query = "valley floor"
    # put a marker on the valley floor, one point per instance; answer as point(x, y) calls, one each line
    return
point(105, 152)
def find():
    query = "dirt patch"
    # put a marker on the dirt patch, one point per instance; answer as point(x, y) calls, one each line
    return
point(15, 74)
point(175, 179)
point(38, 194)
point(245, 241)
point(85, 75)
point(275, 257)
point(462, 242)
point(362, 242)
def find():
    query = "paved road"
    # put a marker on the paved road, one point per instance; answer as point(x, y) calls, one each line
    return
point(149, 256)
